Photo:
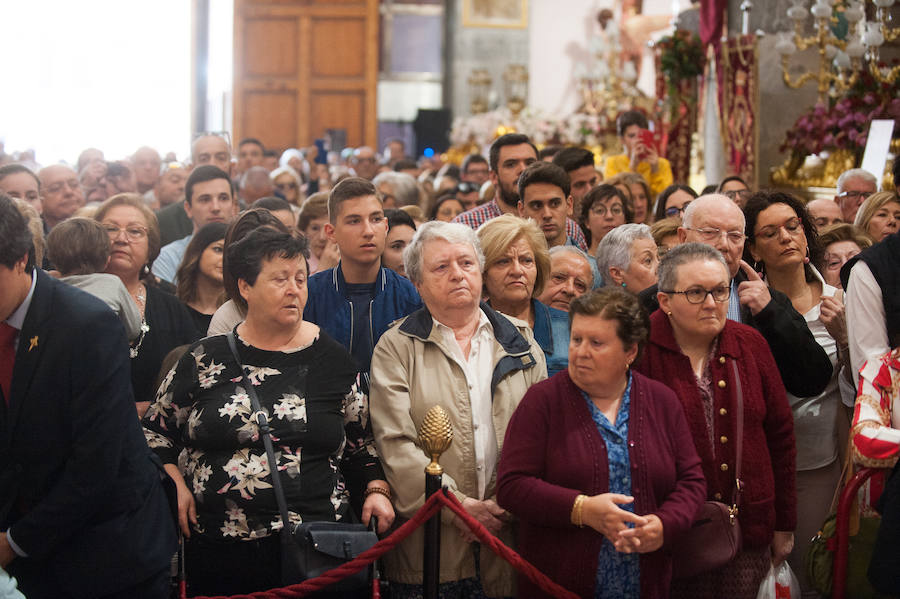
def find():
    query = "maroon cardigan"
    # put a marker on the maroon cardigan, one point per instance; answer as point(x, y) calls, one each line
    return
point(769, 500)
point(553, 452)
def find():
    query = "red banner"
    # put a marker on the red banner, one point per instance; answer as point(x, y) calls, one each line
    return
point(737, 78)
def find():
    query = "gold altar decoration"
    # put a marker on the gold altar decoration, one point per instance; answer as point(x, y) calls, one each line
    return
point(839, 60)
point(435, 436)
point(480, 84)
point(810, 171)
point(515, 84)
point(877, 33)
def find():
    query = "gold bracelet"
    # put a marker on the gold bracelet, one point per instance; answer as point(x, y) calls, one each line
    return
point(379, 490)
point(577, 516)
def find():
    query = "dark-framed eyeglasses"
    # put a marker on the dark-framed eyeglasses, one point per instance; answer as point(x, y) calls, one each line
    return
point(697, 295)
point(673, 211)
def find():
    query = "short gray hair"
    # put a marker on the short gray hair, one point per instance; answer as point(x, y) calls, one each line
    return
point(430, 231)
point(406, 191)
point(615, 248)
point(572, 249)
point(687, 219)
point(680, 255)
point(856, 173)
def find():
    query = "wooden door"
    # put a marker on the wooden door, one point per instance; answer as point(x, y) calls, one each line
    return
point(304, 66)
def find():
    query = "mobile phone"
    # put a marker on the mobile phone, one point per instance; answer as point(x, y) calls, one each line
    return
point(648, 139)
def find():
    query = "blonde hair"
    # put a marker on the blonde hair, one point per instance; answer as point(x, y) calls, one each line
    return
point(663, 228)
point(315, 206)
point(497, 234)
point(873, 204)
point(35, 227)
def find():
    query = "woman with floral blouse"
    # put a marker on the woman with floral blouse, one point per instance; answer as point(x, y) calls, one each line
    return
point(201, 426)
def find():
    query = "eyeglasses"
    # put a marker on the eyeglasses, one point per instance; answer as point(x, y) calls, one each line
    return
point(600, 210)
point(466, 187)
point(861, 195)
point(291, 185)
point(673, 211)
point(793, 227)
point(132, 232)
point(697, 295)
point(713, 234)
point(734, 194)
point(223, 134)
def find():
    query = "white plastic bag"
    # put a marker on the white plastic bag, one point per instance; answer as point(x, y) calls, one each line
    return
point(779, 583)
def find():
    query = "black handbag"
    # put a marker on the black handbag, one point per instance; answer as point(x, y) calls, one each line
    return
point(309, 549)
point(714, 538)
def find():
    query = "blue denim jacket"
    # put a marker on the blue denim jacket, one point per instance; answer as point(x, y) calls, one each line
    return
point(551, 331)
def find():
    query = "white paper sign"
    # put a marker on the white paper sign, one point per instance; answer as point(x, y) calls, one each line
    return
point(877, 145)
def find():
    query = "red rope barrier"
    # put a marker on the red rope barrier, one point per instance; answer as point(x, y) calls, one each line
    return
point(431, 507)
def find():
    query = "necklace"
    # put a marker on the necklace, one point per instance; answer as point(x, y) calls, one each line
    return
point(140, 299)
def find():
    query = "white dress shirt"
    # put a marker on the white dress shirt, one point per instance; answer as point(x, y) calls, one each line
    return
point(866, 321)
point(478, 368)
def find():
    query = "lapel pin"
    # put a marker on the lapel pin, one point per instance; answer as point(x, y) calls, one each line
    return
point(33, 343)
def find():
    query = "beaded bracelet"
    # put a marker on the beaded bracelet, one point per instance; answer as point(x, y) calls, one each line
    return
point(379, 490)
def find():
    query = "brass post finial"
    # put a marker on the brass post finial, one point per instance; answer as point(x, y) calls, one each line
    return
point(435, 435)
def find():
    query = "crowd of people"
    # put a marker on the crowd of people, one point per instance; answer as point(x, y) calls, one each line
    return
point(613, 350)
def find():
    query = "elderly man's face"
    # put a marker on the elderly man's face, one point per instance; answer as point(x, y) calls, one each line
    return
point(720, 223)
point(570, 277)
point(824, 213)
point(24, 187)
point(214, 150)
point(170, 188)
point(146, 162)
point(450, 277)
point(365, 163)
point(852, 195)
point(62, 193)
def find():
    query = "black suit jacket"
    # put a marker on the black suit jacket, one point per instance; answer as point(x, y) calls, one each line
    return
point(80, 492)
point(804, 366)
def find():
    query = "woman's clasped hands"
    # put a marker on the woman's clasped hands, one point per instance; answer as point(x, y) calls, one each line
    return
point(603, 514)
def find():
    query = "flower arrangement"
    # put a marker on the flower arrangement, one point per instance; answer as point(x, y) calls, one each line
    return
point(681, 58)
point(844, 123)
point(574, 129)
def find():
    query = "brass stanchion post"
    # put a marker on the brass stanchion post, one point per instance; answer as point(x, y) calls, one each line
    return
point(435, 435)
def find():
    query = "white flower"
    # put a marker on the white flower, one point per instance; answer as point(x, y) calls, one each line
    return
point(203, 472)
point(230, 529)
point(230, 410)
point(257, 374)
point(234, 467)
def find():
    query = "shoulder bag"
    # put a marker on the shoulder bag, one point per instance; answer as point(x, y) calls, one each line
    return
point(715, 536)
point(308, 549)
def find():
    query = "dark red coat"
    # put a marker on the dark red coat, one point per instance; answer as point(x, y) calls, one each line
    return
point(553, 452)
point(769, 501)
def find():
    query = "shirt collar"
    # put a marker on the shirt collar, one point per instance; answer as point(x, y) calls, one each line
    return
point(483, 323)
point(17, 318)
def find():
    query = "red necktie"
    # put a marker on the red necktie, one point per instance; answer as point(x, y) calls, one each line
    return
point(7, 357)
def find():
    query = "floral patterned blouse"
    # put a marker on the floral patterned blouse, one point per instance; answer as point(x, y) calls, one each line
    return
point(618, 574)
point(202, 421)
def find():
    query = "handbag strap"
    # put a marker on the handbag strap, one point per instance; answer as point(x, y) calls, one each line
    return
point(739, 437)
point(262, 423)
